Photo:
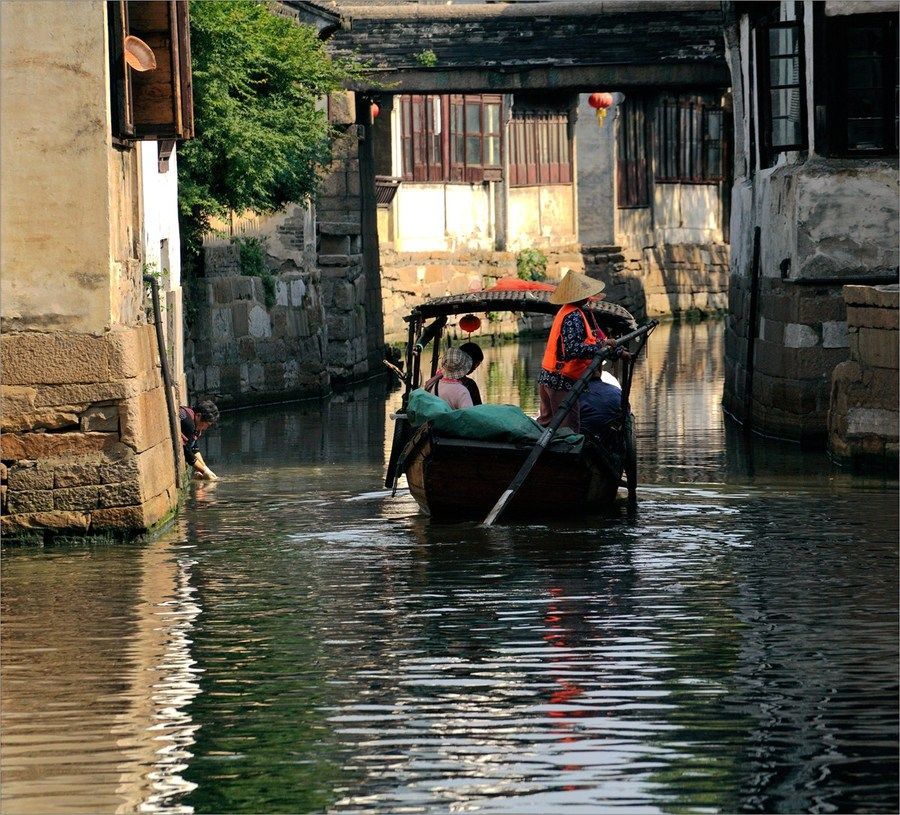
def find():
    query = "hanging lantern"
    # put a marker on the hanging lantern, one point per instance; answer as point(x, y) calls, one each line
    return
point(601, 102)
point(375, 111)
point(470, 323)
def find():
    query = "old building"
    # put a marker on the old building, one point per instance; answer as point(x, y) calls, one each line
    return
point(88, 208)
point(815, 201)
point(485, 145)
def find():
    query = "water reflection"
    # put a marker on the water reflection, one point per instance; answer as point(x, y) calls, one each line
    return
point(301, 642)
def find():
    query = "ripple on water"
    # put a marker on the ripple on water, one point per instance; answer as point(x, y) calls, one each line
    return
point(303, 642)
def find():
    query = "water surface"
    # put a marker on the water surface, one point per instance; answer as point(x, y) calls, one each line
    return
point(299, 641)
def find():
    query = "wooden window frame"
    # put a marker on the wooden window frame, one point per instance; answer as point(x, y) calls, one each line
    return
point(836, 70)
point(689, 116)
point(540, 148)
point(764, 88)
point(135, 99)
point(446, 166)
point(632, 140)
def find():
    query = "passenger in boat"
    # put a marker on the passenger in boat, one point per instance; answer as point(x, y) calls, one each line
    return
point(473, 349)
point(193, 422)
point(455, 364)
point(600, 403)
point(575, 338)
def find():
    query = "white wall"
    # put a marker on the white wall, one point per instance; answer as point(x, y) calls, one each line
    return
point(159, 199)
point(161, 241)
point(442, 217)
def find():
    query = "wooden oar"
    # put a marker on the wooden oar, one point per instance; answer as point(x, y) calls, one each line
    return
point(556, 422)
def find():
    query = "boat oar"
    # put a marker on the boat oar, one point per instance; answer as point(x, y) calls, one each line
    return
point(556, 422)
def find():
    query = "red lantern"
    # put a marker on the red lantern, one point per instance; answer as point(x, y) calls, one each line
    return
point(375, 111)
point(600, 102)
point(470, 323)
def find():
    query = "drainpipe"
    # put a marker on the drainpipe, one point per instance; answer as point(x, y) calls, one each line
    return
point(167, 378)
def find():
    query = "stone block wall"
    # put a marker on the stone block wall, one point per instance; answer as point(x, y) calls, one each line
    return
point(799, 338)
point(241, 352)
point(87, 447)
point(409, 278)
point(666, 281)
point(863, 417)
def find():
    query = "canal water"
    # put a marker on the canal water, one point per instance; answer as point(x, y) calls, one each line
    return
point(299, 641)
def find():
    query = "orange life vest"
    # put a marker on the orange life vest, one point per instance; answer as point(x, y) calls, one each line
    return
point(571, 368)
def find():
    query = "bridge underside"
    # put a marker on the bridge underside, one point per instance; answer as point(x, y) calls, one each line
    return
point(566, 46)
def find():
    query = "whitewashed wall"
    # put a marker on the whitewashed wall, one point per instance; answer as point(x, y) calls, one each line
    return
point(161, 242)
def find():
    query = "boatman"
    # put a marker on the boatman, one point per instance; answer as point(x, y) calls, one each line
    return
point(575, 338)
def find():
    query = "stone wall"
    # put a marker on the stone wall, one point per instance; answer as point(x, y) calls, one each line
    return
point(409, 278)
point(799, 337)
point(668, 281)
point(241, 352)
point(653, 282)
point(85, 444)
point(863, 416)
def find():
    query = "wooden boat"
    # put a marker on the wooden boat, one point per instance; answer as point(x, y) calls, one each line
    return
point(455, 479)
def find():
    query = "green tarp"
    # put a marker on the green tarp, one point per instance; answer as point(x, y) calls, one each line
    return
point(501, 423)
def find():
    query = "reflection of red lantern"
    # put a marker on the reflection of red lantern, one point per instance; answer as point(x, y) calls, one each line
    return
point(600, 102)
point(470, 323)
point(375, 110)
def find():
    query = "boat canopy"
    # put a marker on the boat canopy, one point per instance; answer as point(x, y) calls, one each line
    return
point(614, 319)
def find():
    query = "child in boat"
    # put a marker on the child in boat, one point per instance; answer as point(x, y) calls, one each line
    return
point(455, 364)
point(474, 351)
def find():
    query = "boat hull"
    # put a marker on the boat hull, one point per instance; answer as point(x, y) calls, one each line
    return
point(453, 479)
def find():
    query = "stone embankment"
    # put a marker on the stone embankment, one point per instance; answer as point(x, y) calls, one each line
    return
point(667, 281)
point(653, 282)
point(240, 351)
point(863, 417)
point(87, 448)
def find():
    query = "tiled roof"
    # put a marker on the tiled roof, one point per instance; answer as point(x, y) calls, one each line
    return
point(531, 34)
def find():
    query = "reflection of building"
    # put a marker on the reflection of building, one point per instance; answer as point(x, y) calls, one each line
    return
point(89, 206)
point(815, 197)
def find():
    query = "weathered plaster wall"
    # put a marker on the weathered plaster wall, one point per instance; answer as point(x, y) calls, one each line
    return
point(541, 216)
point(442, 217)
point(85, 443)
point(160, 243)
point(56, 166)
point(821, 220)
point(863, 418)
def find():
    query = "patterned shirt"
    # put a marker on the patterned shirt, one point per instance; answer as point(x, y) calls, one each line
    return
point(573, 335)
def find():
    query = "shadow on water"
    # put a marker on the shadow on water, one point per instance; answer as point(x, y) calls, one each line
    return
point(303, 642)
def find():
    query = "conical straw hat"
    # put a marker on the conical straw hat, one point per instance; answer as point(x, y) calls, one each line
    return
point(576, 286)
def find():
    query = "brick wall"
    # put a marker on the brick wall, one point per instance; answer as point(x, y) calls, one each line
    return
point(87, 448)
point(863, 416)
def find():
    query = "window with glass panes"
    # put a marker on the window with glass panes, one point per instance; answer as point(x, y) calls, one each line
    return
point(689, 138)
point(863, 98)
point(450, 138)
point(782, 99)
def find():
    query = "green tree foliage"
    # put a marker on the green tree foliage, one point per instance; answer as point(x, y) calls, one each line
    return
point(531, 264)
point(261, 134)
